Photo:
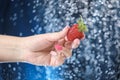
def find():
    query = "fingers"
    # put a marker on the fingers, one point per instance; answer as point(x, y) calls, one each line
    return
point(69, 44)
point(58, 35)
point(64, 50)
point(61, 42)
point(67, 52)
point(58, 57)
point(75, 43)
point(72, 45)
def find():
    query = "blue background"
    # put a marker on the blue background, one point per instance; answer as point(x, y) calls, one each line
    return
point(97, 57)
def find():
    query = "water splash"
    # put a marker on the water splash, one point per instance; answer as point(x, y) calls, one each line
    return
point(95, 59)
point(98, 55)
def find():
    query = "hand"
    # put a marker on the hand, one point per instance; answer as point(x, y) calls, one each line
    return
point(40, 49)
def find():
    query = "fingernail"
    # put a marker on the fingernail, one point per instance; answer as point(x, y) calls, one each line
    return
point(73, 46)
point(78, 43)
point(67, 27)
point(58, 47)
point(66, 38)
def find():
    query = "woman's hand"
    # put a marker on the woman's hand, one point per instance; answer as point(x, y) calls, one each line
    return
point(37, 49)
point(40, 49)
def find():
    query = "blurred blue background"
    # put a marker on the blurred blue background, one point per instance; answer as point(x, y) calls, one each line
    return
point(97, 57)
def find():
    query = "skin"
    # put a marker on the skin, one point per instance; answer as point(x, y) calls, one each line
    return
point(38, 49)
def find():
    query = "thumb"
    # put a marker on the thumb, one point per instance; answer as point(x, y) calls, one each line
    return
point(58, 35)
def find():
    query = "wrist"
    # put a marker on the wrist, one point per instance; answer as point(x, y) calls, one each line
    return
point(17, 48)
point(10, 49)
point(20, 47)
point(23, 49)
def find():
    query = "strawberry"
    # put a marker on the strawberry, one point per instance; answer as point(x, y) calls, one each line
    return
point(77, 31)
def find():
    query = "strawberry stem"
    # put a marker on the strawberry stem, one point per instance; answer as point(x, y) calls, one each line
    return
point(82, 27)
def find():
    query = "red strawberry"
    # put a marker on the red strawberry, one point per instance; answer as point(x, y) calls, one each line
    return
point(77, 31)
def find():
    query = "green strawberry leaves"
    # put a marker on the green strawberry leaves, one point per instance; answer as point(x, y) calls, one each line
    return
point(81, 26)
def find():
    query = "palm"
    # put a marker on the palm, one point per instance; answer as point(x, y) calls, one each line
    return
point(39, 49)
point(40, 53)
